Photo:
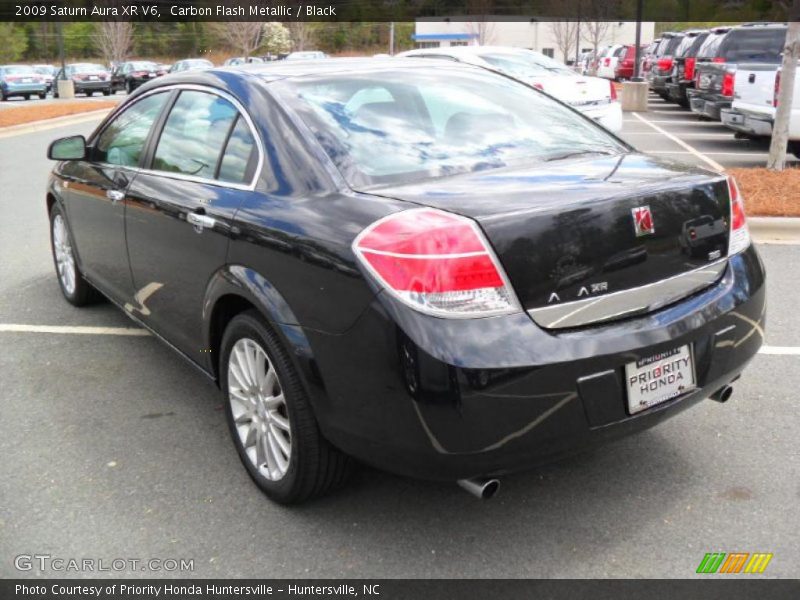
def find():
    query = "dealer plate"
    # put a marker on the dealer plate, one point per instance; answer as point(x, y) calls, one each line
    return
point(658, 378)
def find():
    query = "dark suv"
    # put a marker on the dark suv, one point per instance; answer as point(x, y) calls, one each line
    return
point(752, 42)
point(682, 76)
point(661, 68)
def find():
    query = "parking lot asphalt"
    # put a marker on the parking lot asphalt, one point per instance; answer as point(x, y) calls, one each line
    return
point(666, 129)
point(113, 447)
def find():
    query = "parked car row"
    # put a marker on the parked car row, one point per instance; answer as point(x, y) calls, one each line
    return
point(728, 74)
point(90, 78)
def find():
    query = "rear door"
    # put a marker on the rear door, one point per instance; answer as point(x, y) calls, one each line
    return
point(96, 194)
point(180, 217)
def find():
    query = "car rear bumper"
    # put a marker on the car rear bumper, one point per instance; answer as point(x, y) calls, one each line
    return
point(677, 91)
point(447, 399)
point(708, 107)
point(21, 89)
point(758, 126)
point(658, 83)
point(91, 86)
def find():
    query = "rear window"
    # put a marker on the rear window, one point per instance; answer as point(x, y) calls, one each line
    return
point(672, 46)
point(753, 45)
point(711, 45)
point(404, 125)
point(696, 44)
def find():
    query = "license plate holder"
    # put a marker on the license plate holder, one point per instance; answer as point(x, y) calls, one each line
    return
point(656, 379)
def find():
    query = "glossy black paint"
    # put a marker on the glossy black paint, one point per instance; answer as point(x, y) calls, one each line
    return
point(408, 392)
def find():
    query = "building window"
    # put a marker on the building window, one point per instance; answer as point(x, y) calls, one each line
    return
point(459, 44)
point(428, 44)
point(549, 52)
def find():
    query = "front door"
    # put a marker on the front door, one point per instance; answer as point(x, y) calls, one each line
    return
point(96, 192)
point(181, 210)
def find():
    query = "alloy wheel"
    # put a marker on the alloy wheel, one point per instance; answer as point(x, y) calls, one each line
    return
point(65, 260)
point(259, 409)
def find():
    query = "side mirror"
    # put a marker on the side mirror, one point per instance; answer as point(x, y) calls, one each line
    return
point(68, 148)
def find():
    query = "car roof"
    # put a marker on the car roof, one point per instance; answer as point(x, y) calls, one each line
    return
point(282, 69)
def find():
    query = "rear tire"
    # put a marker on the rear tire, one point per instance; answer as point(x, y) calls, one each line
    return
point(42, 96)
point(75, 288)
point(106, 92)
point(794, 148)
point(129, 87)
point(89, 94)
point(268, 401)
point(26, 96)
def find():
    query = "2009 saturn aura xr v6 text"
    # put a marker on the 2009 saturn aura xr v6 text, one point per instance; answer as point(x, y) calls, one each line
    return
point(422, 265)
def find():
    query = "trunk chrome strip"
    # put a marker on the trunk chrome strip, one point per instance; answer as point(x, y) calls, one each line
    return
point(626, 303)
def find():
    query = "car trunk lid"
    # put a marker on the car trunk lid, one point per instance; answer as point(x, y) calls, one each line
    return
point(580, 229)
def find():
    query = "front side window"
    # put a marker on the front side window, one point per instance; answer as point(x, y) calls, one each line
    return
point(122, 141)
point(194, 135)
point(399, 125)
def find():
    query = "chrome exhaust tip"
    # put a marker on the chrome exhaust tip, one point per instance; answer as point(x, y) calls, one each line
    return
point(723, 394)
point(480, 487)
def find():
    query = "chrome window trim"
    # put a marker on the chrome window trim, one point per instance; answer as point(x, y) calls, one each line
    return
point(630, 302)
point(180, 176)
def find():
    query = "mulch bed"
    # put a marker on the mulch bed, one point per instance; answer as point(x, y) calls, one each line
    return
point(769, 193)
point(32, 112)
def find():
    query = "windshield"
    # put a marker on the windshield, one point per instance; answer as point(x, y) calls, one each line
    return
point(410, 124)
point(143, 66)
point(516, 65)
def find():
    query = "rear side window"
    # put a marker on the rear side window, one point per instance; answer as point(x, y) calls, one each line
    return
point(672, 46)
point(620, 51)
point(194, 135)
point(238, 161)
point(753, 45)
point(122, 141)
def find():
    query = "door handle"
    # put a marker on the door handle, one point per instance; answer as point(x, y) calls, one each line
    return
point(201, 221)
point(115, 195)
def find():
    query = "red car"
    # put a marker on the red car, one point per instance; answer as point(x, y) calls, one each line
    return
point(624, 68)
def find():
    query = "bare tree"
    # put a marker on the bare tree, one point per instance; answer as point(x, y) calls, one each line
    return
point(481, 29)
point(243, 36)
point(564, 33)
point(791, 54)
point(114, 40)
point(302, 34)
point(593, 32)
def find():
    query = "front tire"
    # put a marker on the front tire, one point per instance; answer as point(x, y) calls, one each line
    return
point(270, 417)
point(75, 288)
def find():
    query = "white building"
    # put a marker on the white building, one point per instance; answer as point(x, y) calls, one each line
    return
point(537, 35)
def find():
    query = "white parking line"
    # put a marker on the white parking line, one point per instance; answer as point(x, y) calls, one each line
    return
point(18, 328)
point(750, 154)
point(697, 135)
point(709, 161)
point(683, 122)
point(793, 350)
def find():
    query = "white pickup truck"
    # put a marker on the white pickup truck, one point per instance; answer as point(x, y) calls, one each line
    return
point(755, 97)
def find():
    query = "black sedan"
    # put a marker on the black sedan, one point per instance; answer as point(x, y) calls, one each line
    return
point(130, 75)
point(425, 266)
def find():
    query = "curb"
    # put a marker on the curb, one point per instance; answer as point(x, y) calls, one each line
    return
point(13, 130)
point(782, 230)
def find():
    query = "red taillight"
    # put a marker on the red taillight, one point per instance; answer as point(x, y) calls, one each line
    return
point(718, 59)
point(538, 86)
point(606, 62)
point(688, 68)
point(739, 235)
point(664, 64)
point(777, 89)
point(613, 91)
point(727, 84)
point(436, 262)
